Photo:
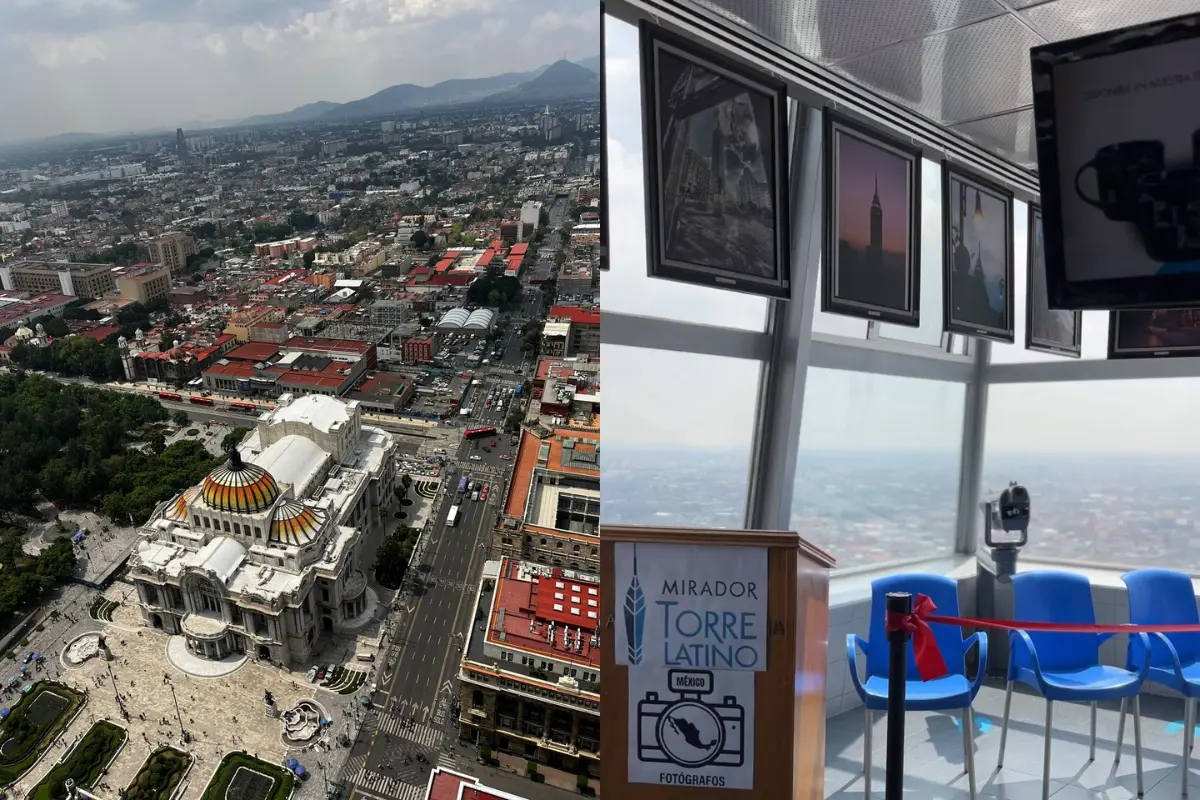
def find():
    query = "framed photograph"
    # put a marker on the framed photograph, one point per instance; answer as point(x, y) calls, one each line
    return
point(977, 228)
point(716, 168)
point(1117, 117)
point(1156, 333)
point(1047, 330)
point(871, 265)
point(603, 146)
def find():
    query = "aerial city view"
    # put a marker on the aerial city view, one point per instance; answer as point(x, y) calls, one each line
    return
point(300, 440)
point(869, 508)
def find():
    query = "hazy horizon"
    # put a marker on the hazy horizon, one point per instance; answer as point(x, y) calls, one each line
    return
point(116, 66)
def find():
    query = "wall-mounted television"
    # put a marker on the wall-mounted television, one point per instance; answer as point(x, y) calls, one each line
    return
point(1117, 116)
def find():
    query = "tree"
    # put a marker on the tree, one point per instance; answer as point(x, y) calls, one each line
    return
point(156, 441)
point(180, 418)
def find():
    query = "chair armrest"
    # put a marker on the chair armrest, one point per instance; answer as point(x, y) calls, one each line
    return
point(1144, 669)
point(977, 638)
point(1021, 639)
point(854, 642)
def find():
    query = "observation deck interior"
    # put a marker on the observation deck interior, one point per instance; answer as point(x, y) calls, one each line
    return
point(878, 442)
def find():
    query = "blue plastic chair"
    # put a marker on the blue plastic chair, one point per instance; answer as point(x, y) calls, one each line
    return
point(1166, 597)
point(1066, 666)
point(952, 691)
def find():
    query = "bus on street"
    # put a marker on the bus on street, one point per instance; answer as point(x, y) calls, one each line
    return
point(452, 517)
point(462, 484)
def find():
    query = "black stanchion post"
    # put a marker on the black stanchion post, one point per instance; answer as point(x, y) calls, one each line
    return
point(898, 604)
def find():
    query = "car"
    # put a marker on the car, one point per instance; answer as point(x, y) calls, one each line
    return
point(492, 443)
point(320, 673)
point(483, 495)
point(505, 457)
point(477, 458)
point(312, 674)
point(487, 486)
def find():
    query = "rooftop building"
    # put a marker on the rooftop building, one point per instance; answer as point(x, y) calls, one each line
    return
point(531, 678)
point(552, 510)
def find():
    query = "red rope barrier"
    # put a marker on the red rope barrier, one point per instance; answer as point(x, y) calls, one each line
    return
point(931, 665)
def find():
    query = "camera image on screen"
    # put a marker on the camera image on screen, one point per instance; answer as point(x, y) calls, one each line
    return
point(690, 732)
point(1134, 185)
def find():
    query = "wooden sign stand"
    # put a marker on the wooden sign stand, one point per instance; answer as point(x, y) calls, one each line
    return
point(789, 717)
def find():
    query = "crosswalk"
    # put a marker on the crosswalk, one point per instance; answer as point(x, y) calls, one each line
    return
point(354, 765)
point(447, 761)
point(392, 788)
point(424, 735)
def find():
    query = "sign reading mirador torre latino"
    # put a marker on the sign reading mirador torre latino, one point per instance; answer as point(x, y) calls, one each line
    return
point(691, 626)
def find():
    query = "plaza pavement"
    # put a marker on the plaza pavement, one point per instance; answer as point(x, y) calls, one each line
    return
point(222, 714)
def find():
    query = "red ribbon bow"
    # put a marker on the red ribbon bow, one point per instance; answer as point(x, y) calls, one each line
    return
point(926, 654)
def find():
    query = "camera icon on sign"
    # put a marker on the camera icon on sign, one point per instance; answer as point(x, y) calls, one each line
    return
point(689, 731)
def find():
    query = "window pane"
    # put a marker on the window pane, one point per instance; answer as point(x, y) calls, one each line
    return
point(877, 475)
point(930, 332)
point(625, 286)
point(677, 435)
point(1111, 468)
point(1095, 323)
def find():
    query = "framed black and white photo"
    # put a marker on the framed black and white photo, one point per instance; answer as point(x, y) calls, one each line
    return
point(1156, 333)
point(1047, 330)
point(871, 264)
point(716, 168)
point(603, 145)
point(977, 229)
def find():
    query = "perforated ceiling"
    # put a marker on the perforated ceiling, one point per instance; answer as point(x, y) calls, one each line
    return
point(963, 64)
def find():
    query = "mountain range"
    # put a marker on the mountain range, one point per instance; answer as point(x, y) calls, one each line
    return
point(562, 80)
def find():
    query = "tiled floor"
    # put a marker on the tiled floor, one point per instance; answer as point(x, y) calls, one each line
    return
point(934, 753)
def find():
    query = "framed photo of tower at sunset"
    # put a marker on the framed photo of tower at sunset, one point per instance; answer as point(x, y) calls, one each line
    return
point(977, 256)
point(870, 266)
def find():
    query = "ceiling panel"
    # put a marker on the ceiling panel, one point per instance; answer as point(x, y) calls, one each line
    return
point(976, 71)
point(1068, 19)
point(1008, 135)
point(960, 63)
point(835, 30)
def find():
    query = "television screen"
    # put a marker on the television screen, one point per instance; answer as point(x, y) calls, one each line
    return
point(1118, 140)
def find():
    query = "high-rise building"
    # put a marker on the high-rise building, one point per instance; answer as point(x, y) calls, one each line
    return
point(180, 145)
point(171, 250)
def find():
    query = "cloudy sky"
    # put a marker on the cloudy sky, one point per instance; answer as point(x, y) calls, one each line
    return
point(678, 399)
point(116, 65)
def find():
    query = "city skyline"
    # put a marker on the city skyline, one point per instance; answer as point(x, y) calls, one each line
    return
point(84, 65)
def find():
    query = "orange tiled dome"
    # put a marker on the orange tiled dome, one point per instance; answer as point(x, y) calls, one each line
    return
point(239, 487)
point(295, 523)
point(178, 510)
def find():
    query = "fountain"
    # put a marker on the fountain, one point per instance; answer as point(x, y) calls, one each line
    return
point(302, 723)
point(82, 648)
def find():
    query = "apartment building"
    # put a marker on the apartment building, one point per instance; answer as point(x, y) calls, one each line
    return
point(171, 250)
point(144, 283)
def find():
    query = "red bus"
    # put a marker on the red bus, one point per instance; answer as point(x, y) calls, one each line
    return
point(170, 396)
point(243, 406)
point(479, 433)
point(202, 401)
